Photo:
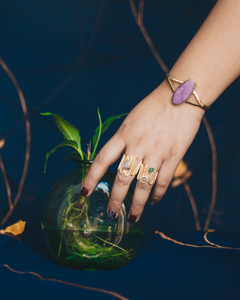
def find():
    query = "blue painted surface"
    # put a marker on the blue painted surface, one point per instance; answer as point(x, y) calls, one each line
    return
point(70, 58)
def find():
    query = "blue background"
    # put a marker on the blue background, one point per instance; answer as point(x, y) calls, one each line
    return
point(70, 58)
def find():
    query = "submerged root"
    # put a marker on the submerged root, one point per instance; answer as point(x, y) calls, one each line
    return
point(78, 246)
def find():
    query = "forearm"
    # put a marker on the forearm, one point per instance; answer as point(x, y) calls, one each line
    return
point(212, 58)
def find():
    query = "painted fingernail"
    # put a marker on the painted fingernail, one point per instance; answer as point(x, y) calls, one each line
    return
point(132, 219)
point(111, 214)
point(84, 191)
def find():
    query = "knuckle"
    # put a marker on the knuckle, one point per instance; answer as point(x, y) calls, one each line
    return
point(155, 198)
point(163, 184)
point(89, 180)
point(125, 129)
point(174, 152)
point(115, 204)
point(101, 158)
point(137, 207)
point(121, 179)
point(144, 186)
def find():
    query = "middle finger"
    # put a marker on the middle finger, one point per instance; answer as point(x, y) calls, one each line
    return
point(127, 169)
point(146, 178)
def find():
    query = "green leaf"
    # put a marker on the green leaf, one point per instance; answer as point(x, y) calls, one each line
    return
point(98, 134)
point(69, 131)
point(66, 143)
point(109, 121)
point(74, 152)
point(46, 114)
point(105, 126)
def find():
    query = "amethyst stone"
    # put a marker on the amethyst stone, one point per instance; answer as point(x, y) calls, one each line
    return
point(183, 92)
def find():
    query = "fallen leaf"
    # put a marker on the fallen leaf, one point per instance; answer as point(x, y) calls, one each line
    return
point(176, 182)
point(181, 169)
point(2, 143)
point(16, 228)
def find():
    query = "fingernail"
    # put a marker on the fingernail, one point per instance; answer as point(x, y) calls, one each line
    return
point(84, 191)
point(132, 219)
point(111, 214)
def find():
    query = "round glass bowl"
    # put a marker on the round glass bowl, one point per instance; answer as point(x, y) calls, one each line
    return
point(77, 230)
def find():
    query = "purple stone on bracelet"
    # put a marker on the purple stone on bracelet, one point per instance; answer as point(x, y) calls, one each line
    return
point(183, 92)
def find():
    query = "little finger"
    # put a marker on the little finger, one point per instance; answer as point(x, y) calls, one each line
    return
point(163, 180)
point(146, 178)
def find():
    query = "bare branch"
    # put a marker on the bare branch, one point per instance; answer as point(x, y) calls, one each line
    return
point(28, 139)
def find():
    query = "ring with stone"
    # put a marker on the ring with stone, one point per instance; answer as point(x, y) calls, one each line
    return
point(147, 174)
point(129, 165)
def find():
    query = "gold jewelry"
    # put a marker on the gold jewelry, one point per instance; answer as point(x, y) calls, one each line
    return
point(128, 165)
point(147, 174)
point(183, 92)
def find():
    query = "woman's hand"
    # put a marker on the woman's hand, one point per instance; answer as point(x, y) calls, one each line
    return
point(159, 134)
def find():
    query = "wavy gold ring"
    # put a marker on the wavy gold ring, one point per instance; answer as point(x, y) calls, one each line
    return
point(129, 165)
point(147, 174)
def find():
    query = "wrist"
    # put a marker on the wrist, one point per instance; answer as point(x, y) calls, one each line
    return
point(165, 94)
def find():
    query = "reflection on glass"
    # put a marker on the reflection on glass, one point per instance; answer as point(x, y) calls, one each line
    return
point(77, 230)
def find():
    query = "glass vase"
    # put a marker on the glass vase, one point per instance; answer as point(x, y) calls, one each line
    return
point(77, 230)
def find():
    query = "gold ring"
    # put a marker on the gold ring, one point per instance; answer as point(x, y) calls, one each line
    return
point(147, 174)
point(128, 165)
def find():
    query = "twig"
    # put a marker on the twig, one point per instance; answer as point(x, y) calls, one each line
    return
point(214, 173)
point(28, 139)
point(9, 194)
point(194, 206)
point(139, 20)
point(67, 283)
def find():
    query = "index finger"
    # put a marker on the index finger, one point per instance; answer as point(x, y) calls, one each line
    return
point(106, 157)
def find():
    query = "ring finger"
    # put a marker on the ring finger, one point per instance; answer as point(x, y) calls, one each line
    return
point(146, 178)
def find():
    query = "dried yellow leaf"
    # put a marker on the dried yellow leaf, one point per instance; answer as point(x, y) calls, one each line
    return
point(181, 169)
point(176, 182)
point(16, 228)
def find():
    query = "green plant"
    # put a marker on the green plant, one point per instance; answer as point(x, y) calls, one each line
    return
point(76, 244)
point(72, 136)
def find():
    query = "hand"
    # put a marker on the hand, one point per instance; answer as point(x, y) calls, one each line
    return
point(159, 134)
